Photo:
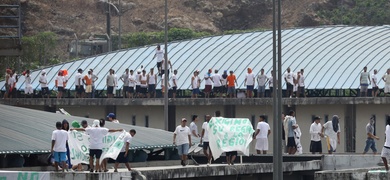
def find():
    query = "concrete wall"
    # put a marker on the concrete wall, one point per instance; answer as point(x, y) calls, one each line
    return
point(155, 114)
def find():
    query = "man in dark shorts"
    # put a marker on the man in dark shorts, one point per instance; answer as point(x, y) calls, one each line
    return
point(123, 155)
point(291, 125)
point(289, 78)
point(205, 139)
point(110, 84)
point(174, 84)
point(315, 136)
point(79, 84)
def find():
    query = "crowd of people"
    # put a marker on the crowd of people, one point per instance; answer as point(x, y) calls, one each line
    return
point(141, 84)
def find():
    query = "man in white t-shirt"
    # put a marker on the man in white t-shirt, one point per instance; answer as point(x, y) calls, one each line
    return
point(132, 84)
point(386, 147)
point(301, 84)
point(364, 81)
point(96, 135)
point(123, 156)
point(217, 80)
point(289, 79)
point(315, 136)
point(59, 139)
point(386, 79)
point(374, 82)
point(261, 81)
point(205, 139)
point(160, 56)
point(60, 80)
point(182, 139)
point(249, 83)
point(28, 89)
point(125, 79)
point(208, 83)
point(44, 83)
point(79, 84)
point(194, 127)
point(262, 132)
point(174, 83)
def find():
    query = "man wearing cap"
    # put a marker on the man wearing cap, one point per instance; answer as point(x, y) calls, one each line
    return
point(96, 135)
point(43, 82)
point(370, 142)
point(262, 132)
point(315, 136)
point(112, 118)
point(79, 84)
point(182, 139)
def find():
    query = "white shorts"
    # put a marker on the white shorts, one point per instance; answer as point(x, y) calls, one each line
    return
point(387, 88)
point(295, 88)
point(262, 144)
point(385, 153)
point(28, 90)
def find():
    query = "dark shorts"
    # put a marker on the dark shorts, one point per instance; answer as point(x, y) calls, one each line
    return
point(110, 90)
point(152, 88)
point(95, 152)
point(249, 88)
point(195, 91)
point(290, 86)
point(271, 89)
point(125, 88)
point(291, 142)
point(158, 65)
point(163, 71)
point(231, 90)
point(121, 158)
point(143, 90)
point(60, 89)
point(207, 88)
point(45, 91)
point(137, 88)
point(174, 89)
point(375, 89)
point(224, 89)
point(79, 89)
point(217, 89)
point(205, 145)
point(131, 90)
point(315, 146)
point(301, 89)
point(231, 153)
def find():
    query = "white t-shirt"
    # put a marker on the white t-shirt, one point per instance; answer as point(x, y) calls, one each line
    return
point(60, 137)
point(205, 126)
point(110, 80)
point(174, 79)
point(263, 127)
point(387, 133)
point(159, 55)
point(28, 81)
point(132, 81)
point(43, 79)
point(289, 77)
point(125, 78)
point(364, 76)
point(144, 78)
point(217, 80)
point(152, 79)
point(78, 77)
point(301, 82)
point(137, 79)
point(387, 78)
point(271, 81)
point(94, 78)
point(329, 130)
point(96, 135)
point(314, 130)
point(250, 79)
point(127, 139)
point(262, 79)
point(374, 80)
point(195, 82)
point(182, 134)
point(208, 81)
point(194, 127)
point(60, 81)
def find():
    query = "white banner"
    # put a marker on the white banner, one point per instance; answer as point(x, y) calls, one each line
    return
point(229, 134)
point(24, 175)
point(79, 146)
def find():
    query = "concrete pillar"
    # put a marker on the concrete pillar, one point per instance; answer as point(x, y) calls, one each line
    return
point(350, 132)
point(229, 111)
point(171, 118)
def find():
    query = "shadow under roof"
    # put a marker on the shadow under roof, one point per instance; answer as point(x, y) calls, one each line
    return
point(332, 56)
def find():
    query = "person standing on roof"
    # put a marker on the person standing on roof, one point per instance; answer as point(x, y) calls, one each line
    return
point(59, 83)
point(115, 82)
point(364, 81)
point(163, 68)
point(112, 118)
point(123, 156)
point(125, 79)
point(138, 83)
point(182, 139)
point(143, 79)
point(217, 89)
point(110, 84)
point(163, 84)
point(7, 84)
point(289, 79)
point(87, 80)
point(96, 135)
point(174, 84)
point(59, 139)
point(249, 83)
point(94, 79)
point(132, 82)
point(152, 81)
point(28, 91)
point(195, 83)
point(386, 79)
point(301, 84)
point(271, 83)
point(374, 82)
point(224, 83)
point(79, 84)
point(160, 56)
point(208, 83)
point(231, 82)
point(261, 81)
point(44, 83)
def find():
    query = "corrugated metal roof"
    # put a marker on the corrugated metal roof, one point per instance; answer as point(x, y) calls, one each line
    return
point(332, 57)
point(27, 131)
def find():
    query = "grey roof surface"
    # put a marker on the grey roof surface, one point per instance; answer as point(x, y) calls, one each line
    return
point(332, 56)
point(27, 131)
